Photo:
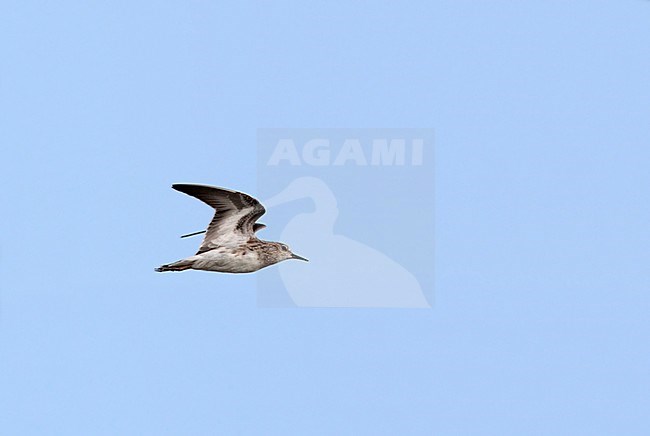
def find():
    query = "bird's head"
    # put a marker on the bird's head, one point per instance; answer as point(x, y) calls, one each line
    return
point(285, 253)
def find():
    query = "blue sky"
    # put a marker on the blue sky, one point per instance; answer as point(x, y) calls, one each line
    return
point(539, 324)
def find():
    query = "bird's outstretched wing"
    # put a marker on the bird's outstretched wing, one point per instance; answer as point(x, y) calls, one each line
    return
point(256, 227)
point(234, 218)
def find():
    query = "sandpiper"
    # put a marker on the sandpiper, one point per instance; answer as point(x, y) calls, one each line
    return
point(230, 244)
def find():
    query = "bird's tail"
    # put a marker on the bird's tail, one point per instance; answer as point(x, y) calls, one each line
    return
point(181, 265)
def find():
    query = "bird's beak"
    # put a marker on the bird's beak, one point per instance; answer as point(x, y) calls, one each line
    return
point(295, 256)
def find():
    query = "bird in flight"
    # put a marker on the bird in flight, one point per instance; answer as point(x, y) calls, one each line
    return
point(230, 244)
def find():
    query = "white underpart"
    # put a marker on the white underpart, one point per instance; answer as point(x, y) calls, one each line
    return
point(224, 260)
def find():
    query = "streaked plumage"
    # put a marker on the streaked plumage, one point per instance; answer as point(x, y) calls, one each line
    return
point(230, 244)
